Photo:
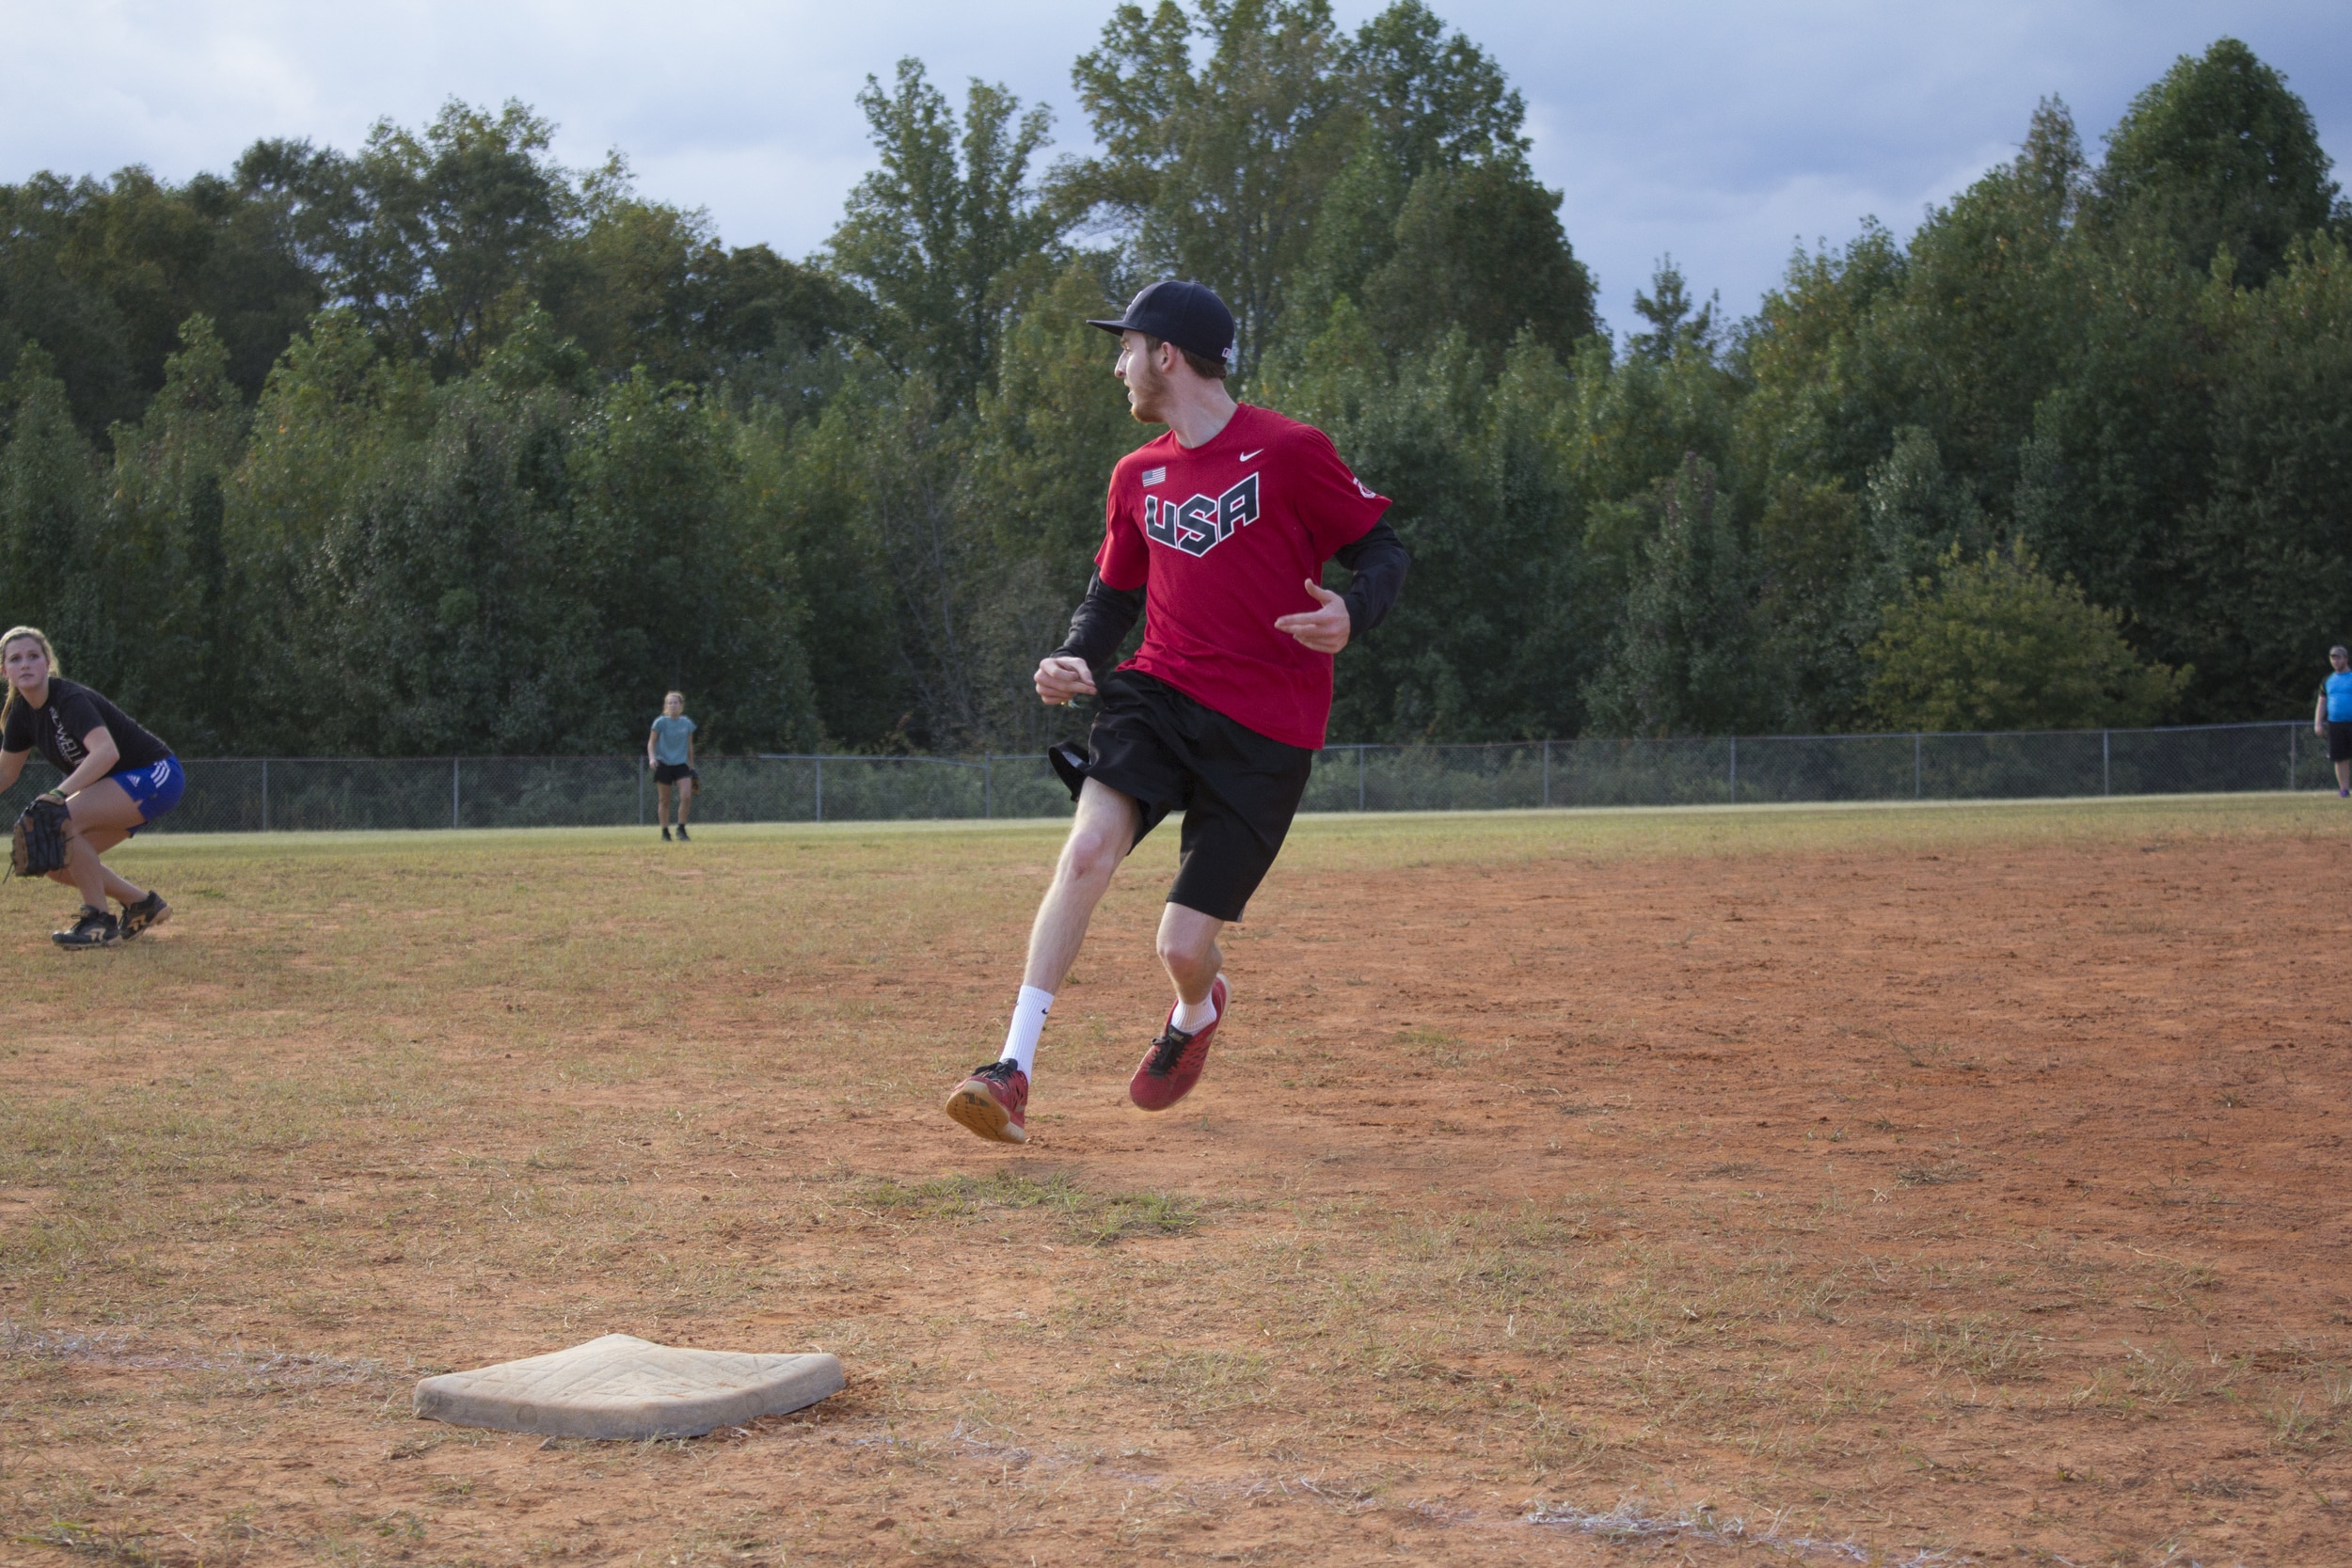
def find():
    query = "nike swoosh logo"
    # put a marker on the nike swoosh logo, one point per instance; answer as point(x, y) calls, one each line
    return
point(1248, 455)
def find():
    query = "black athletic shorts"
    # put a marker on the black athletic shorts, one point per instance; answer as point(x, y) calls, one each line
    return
point(2340, 740)
point(1237, 789)
point(670, 773)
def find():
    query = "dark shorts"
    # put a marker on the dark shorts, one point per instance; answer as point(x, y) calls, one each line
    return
point(2340, 740)
point(670, 773)
point(154, 789)
point(1237, 789)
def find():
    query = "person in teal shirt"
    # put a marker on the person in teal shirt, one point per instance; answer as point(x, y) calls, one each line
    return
point(670, 751)
point(2332, 718)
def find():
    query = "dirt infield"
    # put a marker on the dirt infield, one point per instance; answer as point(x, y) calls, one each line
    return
point(1879, 1186)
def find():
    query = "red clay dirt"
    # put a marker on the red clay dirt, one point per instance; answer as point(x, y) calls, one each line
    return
point(1887, 1204)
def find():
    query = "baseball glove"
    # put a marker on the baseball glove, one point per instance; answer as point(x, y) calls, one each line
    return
point(36, 846)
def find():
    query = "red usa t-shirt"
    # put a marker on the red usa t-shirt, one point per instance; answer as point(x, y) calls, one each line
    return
point(1223, 538)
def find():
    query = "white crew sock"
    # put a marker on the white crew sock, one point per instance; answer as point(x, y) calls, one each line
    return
point(1193, 1017)
point(1029, 1021)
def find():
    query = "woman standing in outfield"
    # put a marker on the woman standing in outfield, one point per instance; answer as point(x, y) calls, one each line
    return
point(670, 751)
point(118, 778)
point(2332, 718)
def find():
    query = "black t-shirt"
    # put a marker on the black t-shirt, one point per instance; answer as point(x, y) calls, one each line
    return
point(59, 726)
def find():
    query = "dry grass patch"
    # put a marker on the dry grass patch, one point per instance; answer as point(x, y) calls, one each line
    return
point(1527, 1185)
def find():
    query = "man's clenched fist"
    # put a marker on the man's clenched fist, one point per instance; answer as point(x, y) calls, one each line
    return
point(1062, 678)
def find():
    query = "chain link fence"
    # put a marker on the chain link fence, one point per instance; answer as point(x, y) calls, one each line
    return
point(297, 794)
point(1776, 769)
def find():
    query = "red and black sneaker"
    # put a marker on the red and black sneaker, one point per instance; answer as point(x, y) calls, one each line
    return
point(993, 1102)
point(1173, 1064)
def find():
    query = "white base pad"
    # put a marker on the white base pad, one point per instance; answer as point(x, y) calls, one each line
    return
point(628, 1387)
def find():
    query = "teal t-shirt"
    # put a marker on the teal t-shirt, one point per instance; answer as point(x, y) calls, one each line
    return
point(669, 739)
point(2340, 697)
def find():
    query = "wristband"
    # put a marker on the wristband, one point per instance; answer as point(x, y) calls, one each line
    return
point(57, 795)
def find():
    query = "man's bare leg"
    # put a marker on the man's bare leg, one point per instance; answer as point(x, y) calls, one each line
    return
point(1188, 949)
point(1100, 837)
point(994, 1101)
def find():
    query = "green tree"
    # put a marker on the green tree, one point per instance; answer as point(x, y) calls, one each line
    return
point(2217, 155)
point(49, 517)
point(692, 589)
point(942, 233)
point(643, 283)
point(1683, 660)
point(1435, 219)
point(1481, 250)
point(804, 481)
point(438, 239)
point(971, 616)
point(1811, 556)
point(103, 275)
point(1636, 421)
point(1217, 166)
point(1994, 642)
point(1484, 643)
point(166, 567)
point(337, 425)
point(1677, 326)
point(1991, 311)
point(519, 560)
point(1818, 403)
point(1431, 99)
point(2121, 449)
point(462, 618)
point(79, 327)
point(2269, 552)
point(1051, 431)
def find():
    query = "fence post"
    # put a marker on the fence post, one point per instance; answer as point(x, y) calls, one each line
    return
point(453, 792)
point(1359, 778)
point(2291, 736)
point(820, 790)
point(265, 790)
point(1735, 768)
point(640, 792)
point(1915, 765)
point(1547, 773)
point(2106, 765)
point(987, 785)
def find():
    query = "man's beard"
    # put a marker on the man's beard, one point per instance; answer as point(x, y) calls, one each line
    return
point(1147, 392)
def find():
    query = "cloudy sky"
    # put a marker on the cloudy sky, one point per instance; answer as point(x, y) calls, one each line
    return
point(1721, 133)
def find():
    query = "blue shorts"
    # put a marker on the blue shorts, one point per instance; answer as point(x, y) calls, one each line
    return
point(155, 788)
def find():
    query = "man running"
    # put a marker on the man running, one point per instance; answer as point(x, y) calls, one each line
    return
point(1217, 534)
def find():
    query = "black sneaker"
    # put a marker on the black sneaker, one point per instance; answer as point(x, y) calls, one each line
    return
point(95, 929)
point(146, 913)
point(681, 834)
point(665, 835)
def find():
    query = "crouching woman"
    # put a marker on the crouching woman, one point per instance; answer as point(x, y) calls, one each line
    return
point(118, 778)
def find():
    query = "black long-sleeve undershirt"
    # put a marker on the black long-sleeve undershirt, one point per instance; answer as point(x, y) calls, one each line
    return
point(1378, 561)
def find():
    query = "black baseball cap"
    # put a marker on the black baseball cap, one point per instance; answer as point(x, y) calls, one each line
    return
point(1187, 314)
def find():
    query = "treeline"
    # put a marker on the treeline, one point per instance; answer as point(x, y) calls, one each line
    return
point(442, 447)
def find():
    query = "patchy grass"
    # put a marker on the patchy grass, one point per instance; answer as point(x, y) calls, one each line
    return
point(1528, 1184)
point(1097, 1218)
